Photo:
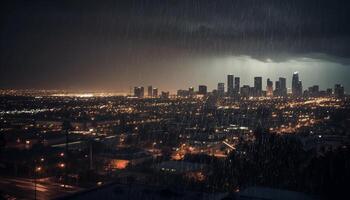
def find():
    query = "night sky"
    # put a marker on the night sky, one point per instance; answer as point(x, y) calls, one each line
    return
point(115, 45)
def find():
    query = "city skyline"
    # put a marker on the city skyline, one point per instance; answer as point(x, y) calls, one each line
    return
point(233, 82)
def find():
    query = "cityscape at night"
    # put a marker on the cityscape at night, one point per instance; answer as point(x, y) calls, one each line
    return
point(209, 100)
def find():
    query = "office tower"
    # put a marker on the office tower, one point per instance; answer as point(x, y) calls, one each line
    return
point(237, 84)
point(277, 89)
point(155, 92)
point(245, 91)
point(329, 92)
point(221, 89)
point(300, 88)
point(164, 95)
point(191, 91)
point(230, 85)
point(282, 87)
point(295, 82)
point(338, 91)
point(257, 86)
point(150, 91)
point(269, 88)
point(142, 92)
point(202, 89)
point(138, 92)
point(314, 91)
point(297, 88)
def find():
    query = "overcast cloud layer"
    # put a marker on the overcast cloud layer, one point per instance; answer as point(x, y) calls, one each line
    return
point(118, 44)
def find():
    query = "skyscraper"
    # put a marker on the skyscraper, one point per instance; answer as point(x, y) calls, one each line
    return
point(191, 91)
point(202, 89)
point(150, 91)
point(338, 90)
point(230, 85)
point(155, 92)
point(257, 86)
point(165, 95)
point(297, 88)
point(221, 89)
point(142, 91)
point(237, 84)
point(277, 91)
point(283, 87)
point(138, 92)
point(269, 88)
point(314, 91)
point(245, 91)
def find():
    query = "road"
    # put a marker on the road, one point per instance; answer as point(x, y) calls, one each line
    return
point(23, 188)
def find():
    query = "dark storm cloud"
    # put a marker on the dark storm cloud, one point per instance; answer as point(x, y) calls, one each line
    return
point(49, 39)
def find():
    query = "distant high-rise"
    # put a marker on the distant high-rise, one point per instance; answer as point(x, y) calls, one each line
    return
point(155, 92)
point(202, 89)
point(314, 91)
point(258, 86)
point(338, 91)
point(269, 88)
point(164, 95)
point(221, 89)
point(295, 81)
point(297, 88)
point(329, 91)
point(245, 91)
point(283, 87)
point(138, 92)
point(142, 91)
point(149, 94)
point(237, 84)
point(191, 91)
point(230, 88)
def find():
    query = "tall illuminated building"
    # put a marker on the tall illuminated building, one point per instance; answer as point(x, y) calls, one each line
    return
point(314, 91)
point(245, 91)
point(258, 86)
point(150, 91)
point(338, 91)
point(230, 88)
point(283, 87)
point(237, 84)
point(138, 92)
point(269, 88)
point(297, 88)
point(277, 91)
point(165, 95)
point(221, 89)
point(142, 91)
point(191, 91)
point(202, 89)
point(155, 92)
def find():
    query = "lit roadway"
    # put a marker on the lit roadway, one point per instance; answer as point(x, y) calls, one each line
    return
point(23, 188)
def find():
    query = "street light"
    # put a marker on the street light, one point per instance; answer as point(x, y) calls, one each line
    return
point(36, 171)
point(62, 165)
